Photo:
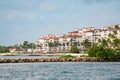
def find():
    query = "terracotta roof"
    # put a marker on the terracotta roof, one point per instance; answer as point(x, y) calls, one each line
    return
point(90, 31)
point(51, 36)
point(73, 36)
point(73, 32)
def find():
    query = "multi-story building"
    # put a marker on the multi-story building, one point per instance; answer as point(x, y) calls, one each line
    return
point(62, 43)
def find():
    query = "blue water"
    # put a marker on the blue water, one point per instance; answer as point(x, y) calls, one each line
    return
point(60, 71)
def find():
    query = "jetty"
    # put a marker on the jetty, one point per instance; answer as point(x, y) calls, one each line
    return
point(57, 60)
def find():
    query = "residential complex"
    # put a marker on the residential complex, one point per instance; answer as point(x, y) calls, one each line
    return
point(63, 42)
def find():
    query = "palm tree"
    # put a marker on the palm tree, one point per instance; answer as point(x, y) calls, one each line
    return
point(99, 40)
point(25, 46)
point(56, 44)
point(38, 46)
point(117, 27)
point(86, 45)
point(104, 43)
point(51, 45)
point(116, 43)
point(31, 46)
point(17, 47)
point(71, 42)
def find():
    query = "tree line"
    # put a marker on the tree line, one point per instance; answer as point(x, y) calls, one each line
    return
point(24, 46)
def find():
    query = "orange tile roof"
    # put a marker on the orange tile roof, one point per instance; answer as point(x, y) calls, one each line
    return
point(73, 36)
point(73, 32)
point(51, 36)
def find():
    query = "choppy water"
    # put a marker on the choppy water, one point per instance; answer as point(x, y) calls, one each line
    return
point(60, 71)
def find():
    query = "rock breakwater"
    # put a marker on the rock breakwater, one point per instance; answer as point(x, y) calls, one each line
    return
point(57, 60)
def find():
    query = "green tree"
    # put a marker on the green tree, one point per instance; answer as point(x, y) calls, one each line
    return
point(99, 40)
point(31, 46)
point(110, 54)
point(71, 42)
point(25, 46)
point(94, 51)
point(17, 47)
point(74, 49)
point(4, 49)
point(115, 32)
point(101, 52)
point(116, 44)
point(50, 44)
point(104, 43)
point(53, 45)
point(86, 44)
point(117, 27)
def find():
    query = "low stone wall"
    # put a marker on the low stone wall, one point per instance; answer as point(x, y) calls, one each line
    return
point(57, 60)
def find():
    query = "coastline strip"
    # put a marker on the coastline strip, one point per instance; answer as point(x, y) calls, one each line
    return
point(57, 60)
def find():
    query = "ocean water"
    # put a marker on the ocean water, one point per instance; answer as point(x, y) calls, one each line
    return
point(60, 71)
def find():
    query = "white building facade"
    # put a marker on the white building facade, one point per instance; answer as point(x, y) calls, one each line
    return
point(62, 43)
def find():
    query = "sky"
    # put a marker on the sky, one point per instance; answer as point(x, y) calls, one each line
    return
point(28, 20)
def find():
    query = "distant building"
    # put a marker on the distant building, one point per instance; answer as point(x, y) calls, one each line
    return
point(63, 42)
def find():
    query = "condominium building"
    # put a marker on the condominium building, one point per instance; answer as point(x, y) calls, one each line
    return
point(63, 42)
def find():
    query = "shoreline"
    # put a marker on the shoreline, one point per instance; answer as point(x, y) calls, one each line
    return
point(47, 54)
point(33, 55)
point(80, 59)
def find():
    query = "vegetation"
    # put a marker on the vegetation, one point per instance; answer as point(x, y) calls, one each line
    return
point(67, 56)
point(86, 45)
point(101, 52)
point(74, 49)
point(4, 49)
point(24, 46)
point(107, 48)
point(53, 46)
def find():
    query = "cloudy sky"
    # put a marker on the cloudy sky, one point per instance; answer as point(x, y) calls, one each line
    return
point(22, 20)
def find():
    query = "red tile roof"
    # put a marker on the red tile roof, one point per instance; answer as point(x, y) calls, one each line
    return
point(51, 36)
point(73, 36)
point(73, 32)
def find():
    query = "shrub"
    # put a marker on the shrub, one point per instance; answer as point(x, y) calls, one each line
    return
point(67, 56)
point(95, 51)
point(100, 52)
point(110, 54)
point(74, 49)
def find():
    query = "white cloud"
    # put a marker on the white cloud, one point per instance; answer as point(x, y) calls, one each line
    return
point(48, 7)
point(16, 15)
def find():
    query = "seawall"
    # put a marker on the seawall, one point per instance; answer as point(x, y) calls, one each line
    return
point(57, 60)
